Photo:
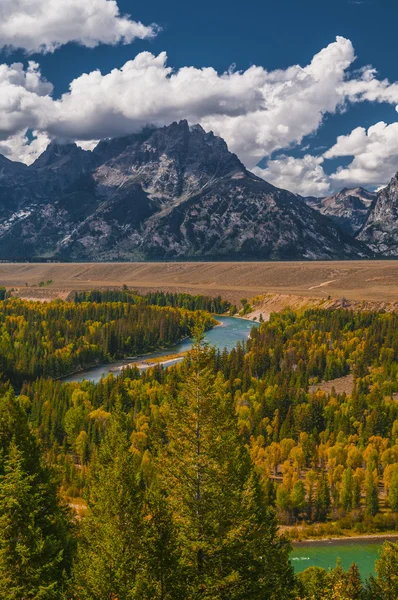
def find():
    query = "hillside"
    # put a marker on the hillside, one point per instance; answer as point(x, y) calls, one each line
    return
point(380, 230)
point(348, 208)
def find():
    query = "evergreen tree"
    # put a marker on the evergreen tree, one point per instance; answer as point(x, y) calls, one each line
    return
point(164, 577)
point(393, 491)
point(35, 534)
point(228, 537)
point(322, 498)
point(109, 563)
point(353, 584)
point(372, 494)
point(385, 585)
point(356, 493)
point(346, 494)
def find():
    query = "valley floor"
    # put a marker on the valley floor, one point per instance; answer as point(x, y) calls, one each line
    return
point(359, 283)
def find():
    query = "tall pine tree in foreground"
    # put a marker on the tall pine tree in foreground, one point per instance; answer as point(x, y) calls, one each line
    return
point(230, 548)
point(126, 546)
point(107, 564)
point(35, 536)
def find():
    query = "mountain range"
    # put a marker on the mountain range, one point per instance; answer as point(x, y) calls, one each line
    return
point(177, 192)
point(348, 208)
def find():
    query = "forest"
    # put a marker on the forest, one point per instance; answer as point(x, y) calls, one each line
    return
point(176, 300)
point(172, 483)
point(53, 339)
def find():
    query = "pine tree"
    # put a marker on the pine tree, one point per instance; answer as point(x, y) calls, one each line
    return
point(356, 493)
point(108, 563)
point(164, 577)
point(35, 534)
point(353, 584)
point(228, 538)
point(393, 491)
point(322, 498)
point(346, 494)
point(372, 494)
point(385, 585)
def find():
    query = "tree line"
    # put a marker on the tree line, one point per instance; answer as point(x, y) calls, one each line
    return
point(214, 305)
point(53, 339)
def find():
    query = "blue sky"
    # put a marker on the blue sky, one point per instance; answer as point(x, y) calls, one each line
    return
point(318, 113)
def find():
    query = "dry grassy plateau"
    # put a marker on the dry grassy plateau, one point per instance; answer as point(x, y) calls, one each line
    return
point(355, 281)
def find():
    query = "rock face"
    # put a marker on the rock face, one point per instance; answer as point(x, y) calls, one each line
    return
point(169, 193)
point(348, 208)
point(380, 230)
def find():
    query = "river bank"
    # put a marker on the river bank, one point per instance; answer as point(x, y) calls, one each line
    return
point(226, 334)
point(130, 361)
point(371, 537)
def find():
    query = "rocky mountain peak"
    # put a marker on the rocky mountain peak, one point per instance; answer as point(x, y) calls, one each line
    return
point(198, 128)
point(364, 195)
point(169, 163)
point(380, 230)
point(58, 153)
point(10, 168)
point(172, 192)
point(348, 208)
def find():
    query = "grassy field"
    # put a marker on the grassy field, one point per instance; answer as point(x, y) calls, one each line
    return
point(369, 281)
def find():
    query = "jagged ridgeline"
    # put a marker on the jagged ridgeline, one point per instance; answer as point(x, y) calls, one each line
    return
point(169, 193)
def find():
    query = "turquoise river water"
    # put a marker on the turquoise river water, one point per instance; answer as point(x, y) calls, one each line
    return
point(364, 552)
point(230, 331)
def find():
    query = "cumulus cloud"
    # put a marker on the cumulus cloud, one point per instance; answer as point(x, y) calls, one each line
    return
point(25, 100)
point(21, 148)
point(44, 25)
point(304, 176)
point(374, 152)
point(366, 86)
point(375, 161)
point(256, 111)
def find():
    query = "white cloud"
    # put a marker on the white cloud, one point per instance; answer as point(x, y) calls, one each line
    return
point(256, 111)
point(304, 176)
point(374, 152)
point(20, 148)
point(87, 144)
point(44, 25)
point(25, 100)
point(366, 86)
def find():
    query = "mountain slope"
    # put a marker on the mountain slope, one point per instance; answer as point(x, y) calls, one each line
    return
point(380, 230)
point(174, 192)
point(348, 209)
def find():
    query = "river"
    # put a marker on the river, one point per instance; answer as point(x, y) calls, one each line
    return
point(324, 553)
point(230, 331)
point(320, 553)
